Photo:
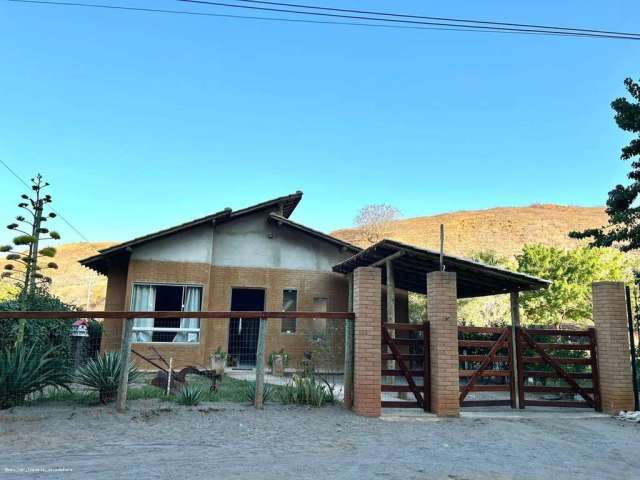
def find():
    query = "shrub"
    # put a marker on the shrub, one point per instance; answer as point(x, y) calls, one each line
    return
point(250, 392)
point(306, 391)
point(190, 395)
point(102, 373)
point(24, 371)
point(41, 334)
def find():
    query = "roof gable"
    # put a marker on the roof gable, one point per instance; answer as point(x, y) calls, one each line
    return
point(285, 204)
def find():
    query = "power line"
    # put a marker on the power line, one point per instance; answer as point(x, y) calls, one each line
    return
point(444, 19)
point(418, 22)
point(465, 28)
point(54, 211)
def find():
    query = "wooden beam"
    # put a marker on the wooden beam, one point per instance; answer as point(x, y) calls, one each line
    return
point(383, 261)
point(515, 323)
point(175, 314)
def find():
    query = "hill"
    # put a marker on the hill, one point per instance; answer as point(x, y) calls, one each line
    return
point(504, 230)
point(72, 282)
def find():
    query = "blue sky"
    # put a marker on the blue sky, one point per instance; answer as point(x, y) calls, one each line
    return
point(141, 121)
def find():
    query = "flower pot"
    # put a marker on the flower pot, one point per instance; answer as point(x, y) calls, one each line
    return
point(278, 366)
point(218, 363)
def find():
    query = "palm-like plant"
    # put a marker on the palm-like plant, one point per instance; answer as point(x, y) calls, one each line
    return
point(102, 375)
point(190, 395)
point(24, 371)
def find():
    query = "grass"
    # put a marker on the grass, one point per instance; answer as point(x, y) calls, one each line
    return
point(229, 390)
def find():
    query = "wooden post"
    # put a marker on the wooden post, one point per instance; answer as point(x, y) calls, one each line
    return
point(515, 340)
point(125, 354)
point(262, 334)
point(169, 375)
point(391, 313)
point(348, 349)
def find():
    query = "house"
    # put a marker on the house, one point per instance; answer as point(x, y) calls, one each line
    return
point(251, 259)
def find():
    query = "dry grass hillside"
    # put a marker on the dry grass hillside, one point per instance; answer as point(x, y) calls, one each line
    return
point(72, 282)
point(504, 230)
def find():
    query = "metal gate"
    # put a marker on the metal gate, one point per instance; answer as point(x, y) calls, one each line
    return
point(407, 346)
point(486, 365)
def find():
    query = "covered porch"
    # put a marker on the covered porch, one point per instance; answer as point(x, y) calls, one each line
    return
point(444, 279)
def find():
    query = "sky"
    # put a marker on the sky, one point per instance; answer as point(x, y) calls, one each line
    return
point(141, 120)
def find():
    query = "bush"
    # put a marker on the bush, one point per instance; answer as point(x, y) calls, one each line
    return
point(41, 334)
point(250, 392)
point(306, 391)
point(24, 371)
point(102, 373)
point(190, 395)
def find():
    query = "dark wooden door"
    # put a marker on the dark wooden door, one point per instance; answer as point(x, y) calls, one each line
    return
point(243, 332)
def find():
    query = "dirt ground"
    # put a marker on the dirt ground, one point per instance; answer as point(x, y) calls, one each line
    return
point(232, 441)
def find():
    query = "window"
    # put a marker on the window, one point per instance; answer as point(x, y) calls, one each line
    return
point(166, 298)
point(320, 324)
point(289, 304)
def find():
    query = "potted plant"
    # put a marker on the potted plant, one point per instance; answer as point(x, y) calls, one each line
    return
point(218, 360)
point(278, 361)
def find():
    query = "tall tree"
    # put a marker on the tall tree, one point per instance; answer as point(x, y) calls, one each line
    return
point(373, 221)
point(26, 258)
point(568, 298)
point(623, 230)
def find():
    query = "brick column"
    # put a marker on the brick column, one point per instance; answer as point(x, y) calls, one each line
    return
point(367, 362)
point(614, 357)
point(443, 316)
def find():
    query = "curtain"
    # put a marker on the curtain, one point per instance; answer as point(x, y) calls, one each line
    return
point(192, 303)
point(144, 300)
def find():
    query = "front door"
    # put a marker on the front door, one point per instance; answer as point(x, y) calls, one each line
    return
point(243, 332)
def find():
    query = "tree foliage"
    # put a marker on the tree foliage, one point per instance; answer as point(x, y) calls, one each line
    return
point(42, 334)
point(624, 213)
point(373, 221)
point(24, 268)
point(568, 298)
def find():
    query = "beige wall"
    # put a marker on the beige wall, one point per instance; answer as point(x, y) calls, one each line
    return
point(218, 283)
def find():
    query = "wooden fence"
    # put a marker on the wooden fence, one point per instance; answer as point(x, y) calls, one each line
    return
point(128, 318)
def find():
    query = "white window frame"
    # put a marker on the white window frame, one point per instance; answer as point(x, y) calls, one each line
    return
point(295, 320)
point(167, 329)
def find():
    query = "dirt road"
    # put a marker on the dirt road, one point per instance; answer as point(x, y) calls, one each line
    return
point(231, 441)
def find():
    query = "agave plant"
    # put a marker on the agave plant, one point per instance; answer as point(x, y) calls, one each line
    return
point(102, 375)
point(306, 391)
point(190, 395)
point(250, 392)
point(24, 371)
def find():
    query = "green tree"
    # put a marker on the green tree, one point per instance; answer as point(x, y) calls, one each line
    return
point(488, 311)
point(568, 298)
point(25, 256)
point(623, 230)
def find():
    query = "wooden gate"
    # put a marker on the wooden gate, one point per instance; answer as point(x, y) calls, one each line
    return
point(486, 365)
point(407, 345)
point(568, 356)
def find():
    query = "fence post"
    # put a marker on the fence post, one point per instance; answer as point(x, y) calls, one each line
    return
point(125, 354)
point(348, 350)
point(262, 333)
point(612, 335)
point(515, 367)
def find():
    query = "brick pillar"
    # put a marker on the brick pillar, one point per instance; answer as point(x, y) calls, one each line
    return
point(614, 357)
point(443, 316)
point(367, 350)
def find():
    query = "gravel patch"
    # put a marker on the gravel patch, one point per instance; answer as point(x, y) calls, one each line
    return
point(233, 441)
